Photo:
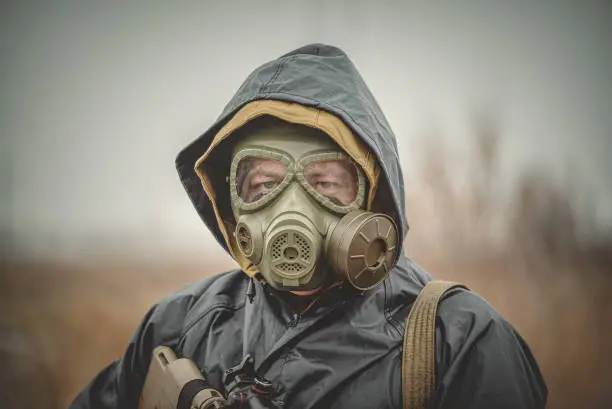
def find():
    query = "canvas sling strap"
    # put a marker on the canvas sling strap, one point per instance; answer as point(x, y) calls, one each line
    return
point(418, 356)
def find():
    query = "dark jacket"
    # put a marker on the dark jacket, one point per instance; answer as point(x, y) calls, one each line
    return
point(345, 351)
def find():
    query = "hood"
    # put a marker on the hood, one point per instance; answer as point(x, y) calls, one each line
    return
point(319, 79)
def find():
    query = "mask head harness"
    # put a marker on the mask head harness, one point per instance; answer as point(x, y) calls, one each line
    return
point(298, 202)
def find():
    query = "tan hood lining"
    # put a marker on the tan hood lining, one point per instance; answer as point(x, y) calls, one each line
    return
point(298, 114)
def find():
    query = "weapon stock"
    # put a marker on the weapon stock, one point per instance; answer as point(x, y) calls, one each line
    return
point(174, 383)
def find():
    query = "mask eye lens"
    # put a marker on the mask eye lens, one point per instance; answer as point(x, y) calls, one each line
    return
point(258, 177)
point(336, 180)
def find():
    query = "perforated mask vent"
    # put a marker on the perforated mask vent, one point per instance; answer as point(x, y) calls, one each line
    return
point(292, 254)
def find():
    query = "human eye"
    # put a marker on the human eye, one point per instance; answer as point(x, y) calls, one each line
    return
point(256, 177)
point(325, 185)
point(260, 188)
point(271, 184)
point(336, 180)
point(264, 183)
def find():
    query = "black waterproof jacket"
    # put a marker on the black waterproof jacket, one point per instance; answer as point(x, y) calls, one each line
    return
point(345, 351)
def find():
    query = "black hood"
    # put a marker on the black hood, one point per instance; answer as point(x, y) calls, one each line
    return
point(319, 76)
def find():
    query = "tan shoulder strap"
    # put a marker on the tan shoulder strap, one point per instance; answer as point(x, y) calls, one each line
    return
point(419, 352)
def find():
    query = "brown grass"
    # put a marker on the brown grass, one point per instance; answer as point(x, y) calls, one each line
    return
point(75, 320)
point(62, 324)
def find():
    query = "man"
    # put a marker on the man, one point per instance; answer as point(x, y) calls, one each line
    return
point(299, 180)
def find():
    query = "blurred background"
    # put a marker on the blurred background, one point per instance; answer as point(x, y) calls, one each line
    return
point(503, 114)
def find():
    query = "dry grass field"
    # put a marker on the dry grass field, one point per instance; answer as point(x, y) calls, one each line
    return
point(63, 323)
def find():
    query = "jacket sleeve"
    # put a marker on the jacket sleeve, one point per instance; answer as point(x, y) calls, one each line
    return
point(119, 385)
point(482, 360)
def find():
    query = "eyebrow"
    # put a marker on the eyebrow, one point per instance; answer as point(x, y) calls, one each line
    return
point(333, 171)
point(316, 174)
point(257, 171)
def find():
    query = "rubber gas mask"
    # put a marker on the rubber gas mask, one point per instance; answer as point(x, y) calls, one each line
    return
point(298, 202)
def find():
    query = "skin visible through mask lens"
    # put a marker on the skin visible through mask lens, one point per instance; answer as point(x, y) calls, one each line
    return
point(256, 177)
point(334, 179)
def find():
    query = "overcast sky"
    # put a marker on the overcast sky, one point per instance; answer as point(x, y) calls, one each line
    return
point(99, 96)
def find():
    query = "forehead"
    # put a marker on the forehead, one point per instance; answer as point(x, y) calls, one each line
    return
point(296, 140)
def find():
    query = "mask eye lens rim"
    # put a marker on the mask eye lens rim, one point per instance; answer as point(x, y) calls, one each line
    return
point(323, 156)
point(262, 152)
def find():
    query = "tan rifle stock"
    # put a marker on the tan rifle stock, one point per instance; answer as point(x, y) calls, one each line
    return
point(174, 383)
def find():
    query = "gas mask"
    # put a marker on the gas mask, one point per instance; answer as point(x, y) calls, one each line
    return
point(298, 203)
